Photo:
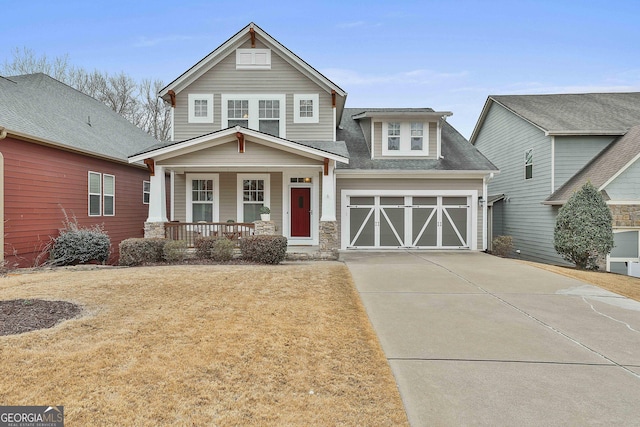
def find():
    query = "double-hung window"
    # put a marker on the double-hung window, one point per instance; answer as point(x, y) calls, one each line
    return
point(202, 191)
point(405, 138)
point(253, 192)
point(146, 192)
point(528, 164)
point(102, 194)
point(265, 113)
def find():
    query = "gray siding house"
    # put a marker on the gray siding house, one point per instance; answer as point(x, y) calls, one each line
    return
point(254, 125)
point(547, 147)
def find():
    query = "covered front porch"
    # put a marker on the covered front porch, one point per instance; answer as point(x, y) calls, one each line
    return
point(219, 183)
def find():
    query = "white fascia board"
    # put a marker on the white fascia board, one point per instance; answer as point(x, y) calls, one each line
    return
point(368, 173)
point(585, 132)
point(181, 145)
point(485, 110)
point(402, 114)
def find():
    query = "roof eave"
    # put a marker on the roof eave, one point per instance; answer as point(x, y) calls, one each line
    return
point(373, 114)
point(590, 132)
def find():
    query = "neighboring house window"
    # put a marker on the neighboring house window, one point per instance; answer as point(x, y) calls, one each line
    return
point(146, 192)
point(202, 197)
point(305, 108)
point(109, 195)
point(405, 138)
point(200, 108)
point(253, 193)
point(528, 164)
point(95, 193)
point(259, 112)
point(253, 59)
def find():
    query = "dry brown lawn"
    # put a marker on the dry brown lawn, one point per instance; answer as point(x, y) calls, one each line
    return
point(202, 345)
point(623, 285)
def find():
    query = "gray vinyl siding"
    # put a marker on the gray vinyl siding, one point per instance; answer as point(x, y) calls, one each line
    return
point(282, 78)
point(179, 198)
point(365, 126)
point(378, 137)
point(503, 139)
point(572, 153)
point(627, 185)
point(227, 154)
point(408, 185)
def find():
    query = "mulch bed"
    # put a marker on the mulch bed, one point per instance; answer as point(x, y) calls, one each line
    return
point(24, 315)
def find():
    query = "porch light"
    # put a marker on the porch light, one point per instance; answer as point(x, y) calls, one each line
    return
point(307, 179)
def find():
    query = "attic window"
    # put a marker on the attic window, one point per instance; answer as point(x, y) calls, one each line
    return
point(305, 108)
point(200, 108)
point(253, 59)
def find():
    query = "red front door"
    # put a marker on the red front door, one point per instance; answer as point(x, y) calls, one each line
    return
point(300, 212)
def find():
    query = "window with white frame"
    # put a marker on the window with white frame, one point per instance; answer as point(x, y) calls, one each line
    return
point(405, 138)
point(265, 113)
point(528, 164)
point(253, 194)
point(203, 193)
point(146, 192)
point(200, 108)
point(305, 108)
point(253, 59)
point(108, 195)
point(102, 194)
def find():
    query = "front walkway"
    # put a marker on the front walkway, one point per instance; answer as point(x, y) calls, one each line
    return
point(476, 339)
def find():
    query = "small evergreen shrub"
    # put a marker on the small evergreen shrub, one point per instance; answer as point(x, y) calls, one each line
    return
point(583, 233)
point(502, 246)
point(78, 245)
point(222, 250)
point(175, 250)
point(204, 245)
point(138, 251)
point(264, 249)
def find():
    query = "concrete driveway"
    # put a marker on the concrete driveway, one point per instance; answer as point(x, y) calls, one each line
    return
point(474, 339)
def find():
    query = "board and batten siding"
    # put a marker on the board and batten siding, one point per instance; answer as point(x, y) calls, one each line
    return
point(408, 184)
point(282, 78)
point(227, 155)
point(378, 137)
point(572, 153)
point(503, 139)
point(40, 182)
point(626, 186)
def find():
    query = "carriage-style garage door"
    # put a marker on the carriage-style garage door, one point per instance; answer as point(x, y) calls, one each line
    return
point(408, 221)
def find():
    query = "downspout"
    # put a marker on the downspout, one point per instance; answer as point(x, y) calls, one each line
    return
point(485, 209)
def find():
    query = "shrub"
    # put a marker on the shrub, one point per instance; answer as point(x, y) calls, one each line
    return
point(137, 251)
point(204, 245)
point(222, 250)
point(175, 250)
point(502, 246)
point(80, 245)
point(264, 249)
point(583, 233)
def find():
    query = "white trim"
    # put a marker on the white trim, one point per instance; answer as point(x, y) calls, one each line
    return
point(250, 59)
point(524, 171)
point(189, 177)
point(315, 102)
point(172, 194)
point(104, 195)
point(625, 259)
point(254, 119)
point(438, 139)
point(485, 209)
point(553, 164)
point(623, 202)
point(89, 193)
point(146, 192)
point(620, 172)
point(193, 97)
point(373, 136)
point(315, 204)
point(240, 191)
point(472, 226)
point(173, 126)
point(405, 140)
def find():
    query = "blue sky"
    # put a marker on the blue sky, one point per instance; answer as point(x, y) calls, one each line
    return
point(447, 55)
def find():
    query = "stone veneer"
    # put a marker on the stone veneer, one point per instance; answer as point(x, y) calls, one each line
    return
point(329, 238)
point(265, 228)
point(625, 215)
point(154, 230)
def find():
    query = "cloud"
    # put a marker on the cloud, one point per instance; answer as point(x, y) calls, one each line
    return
point(348, 77)
point(148, 42)
point(353, 24)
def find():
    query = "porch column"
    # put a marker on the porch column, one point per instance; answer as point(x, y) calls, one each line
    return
point(329, 192)
point(157, 197)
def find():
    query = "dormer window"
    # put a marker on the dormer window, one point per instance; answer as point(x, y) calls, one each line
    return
point(405, 139)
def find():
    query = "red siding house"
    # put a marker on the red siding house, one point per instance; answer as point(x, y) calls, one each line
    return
point(63, 151)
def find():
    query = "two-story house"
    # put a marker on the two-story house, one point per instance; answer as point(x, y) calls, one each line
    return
point(254, 125)
point(547, 147)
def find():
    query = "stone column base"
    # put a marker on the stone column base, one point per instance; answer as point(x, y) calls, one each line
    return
point(263, 228)
point(329, 237)
point(154, 230)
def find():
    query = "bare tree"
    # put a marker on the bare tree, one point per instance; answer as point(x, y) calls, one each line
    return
point(136, 101)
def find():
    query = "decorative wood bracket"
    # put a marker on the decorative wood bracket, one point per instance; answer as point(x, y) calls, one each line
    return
point(240, 137)
point(151, 165)
point(252, 33)
point(333, 99)
point(172, 95)
point(326, 166)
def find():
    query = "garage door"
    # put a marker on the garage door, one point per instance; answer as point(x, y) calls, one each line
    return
point(626, 249)
point(413, 221)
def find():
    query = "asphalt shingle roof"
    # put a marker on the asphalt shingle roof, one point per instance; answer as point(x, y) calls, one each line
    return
point(458, 154)
point(41, 107)
point(602, 167)
point(588, 113)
